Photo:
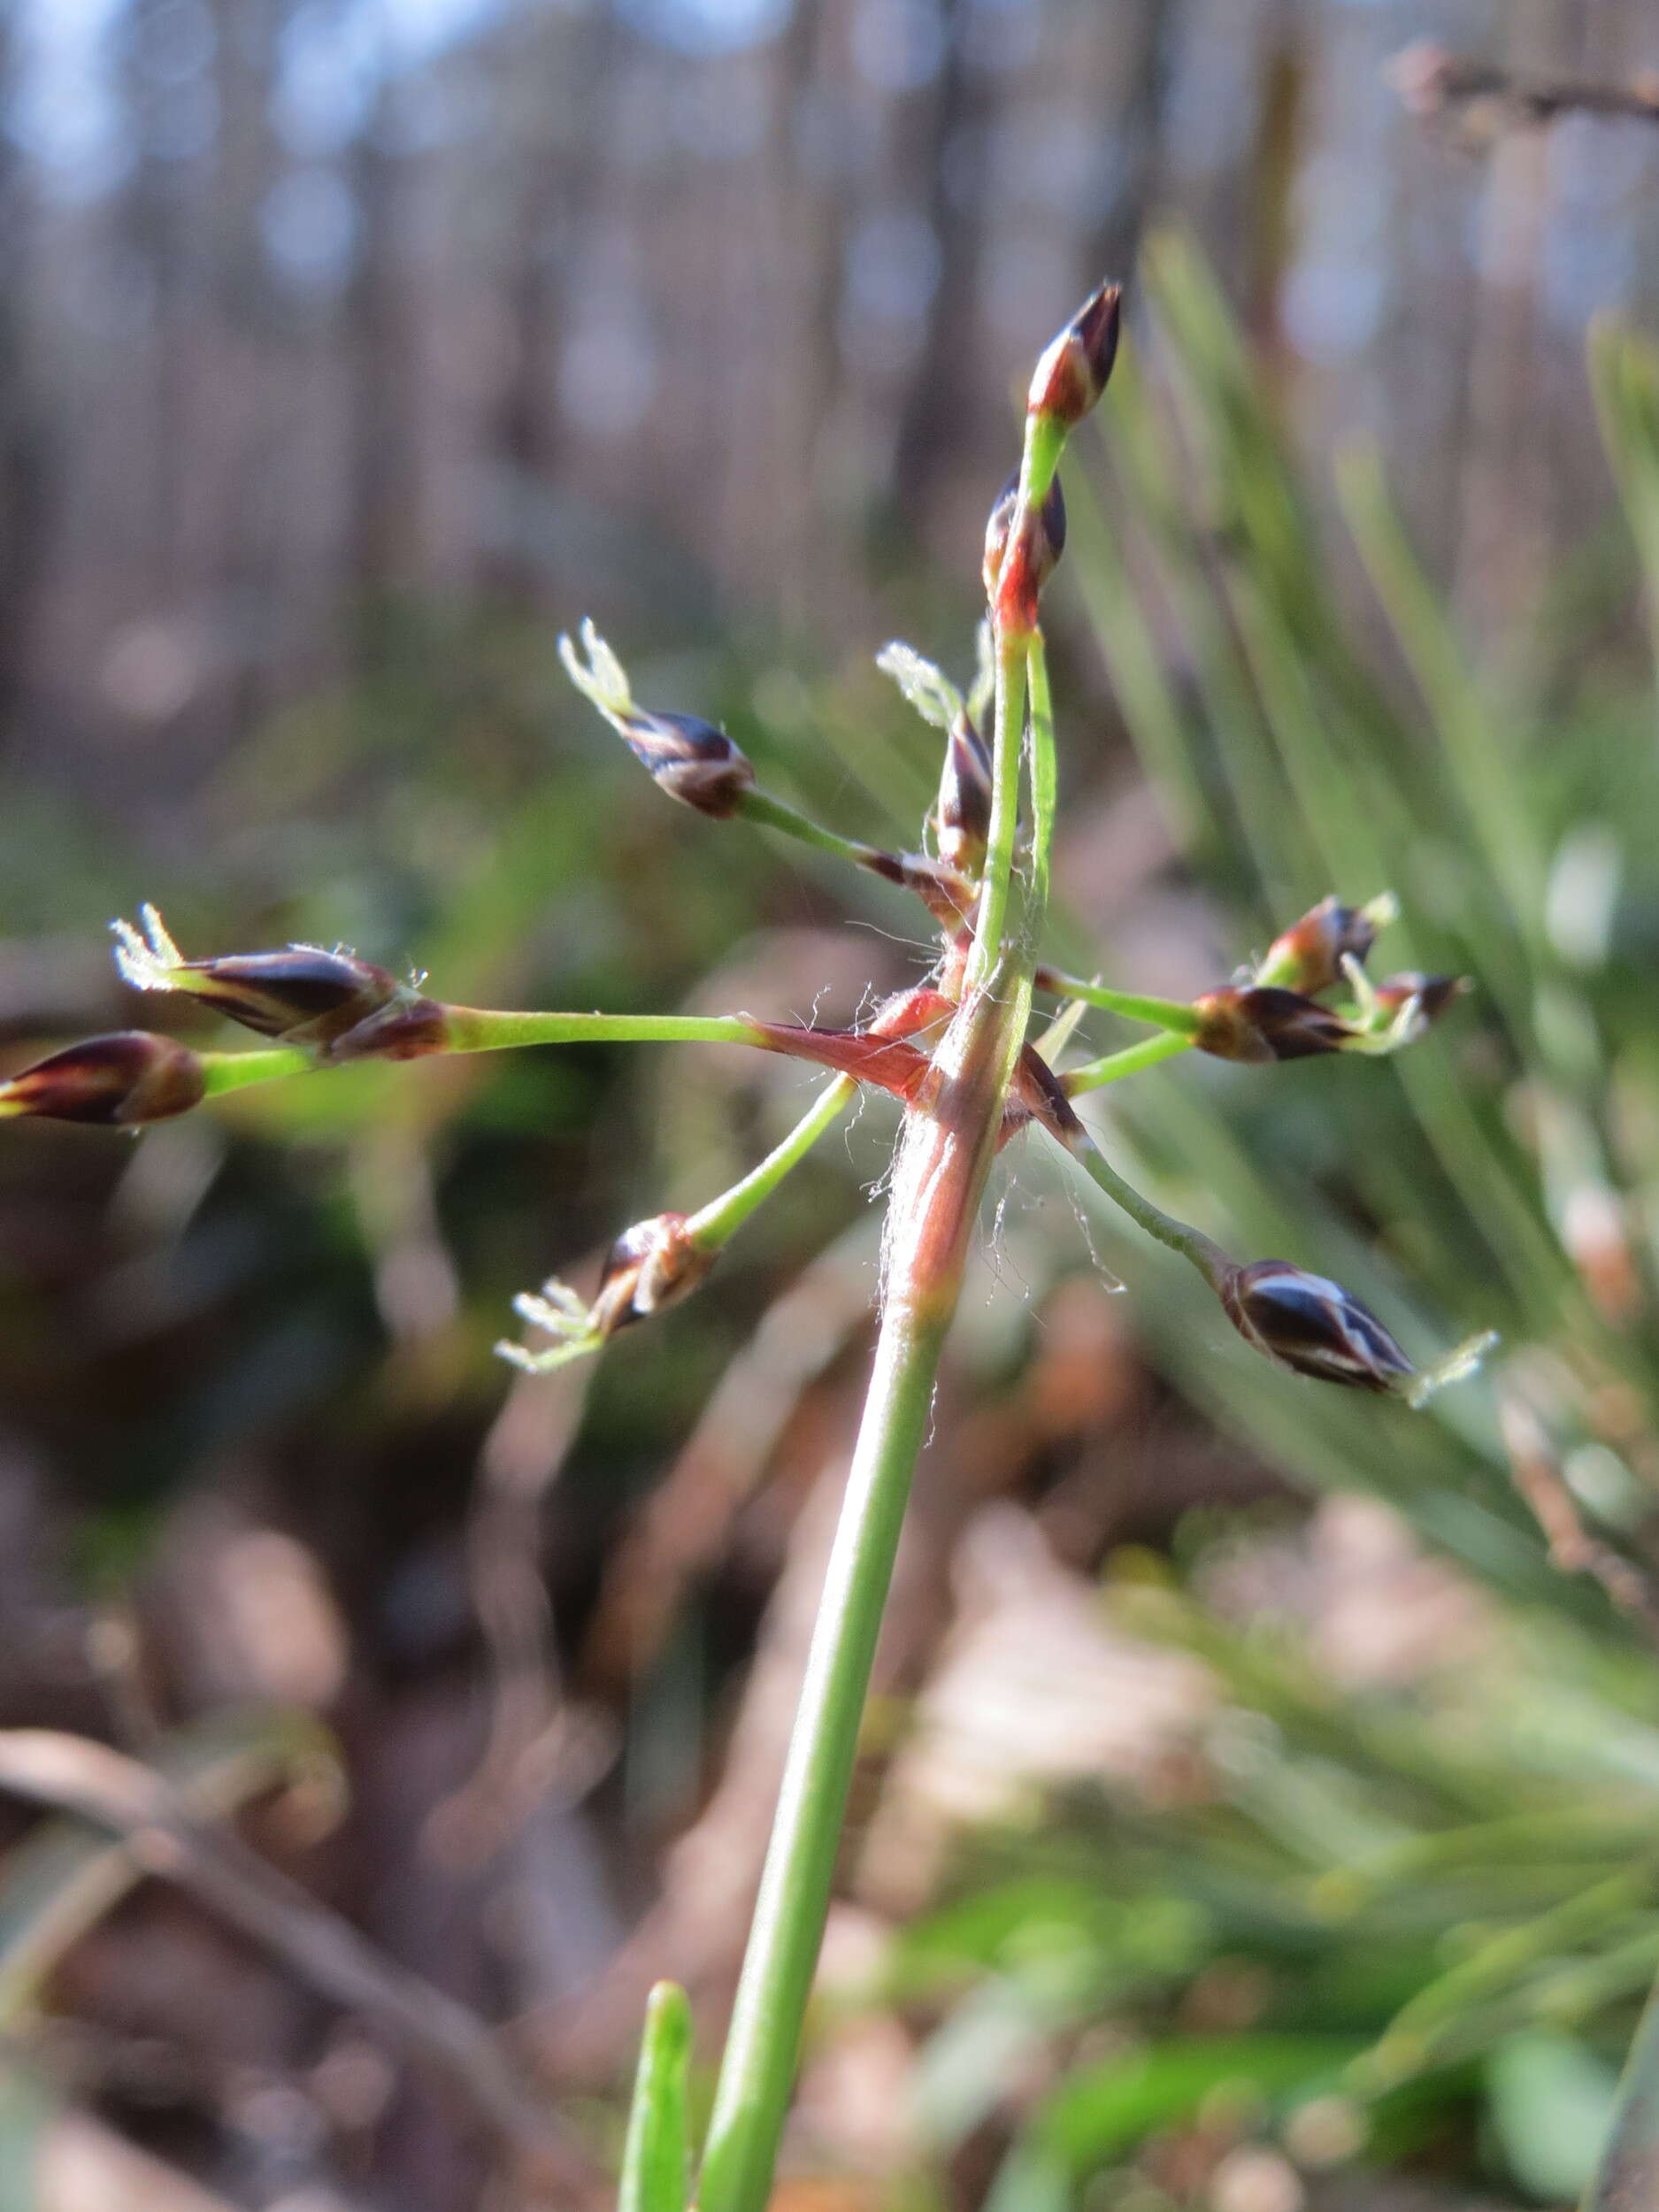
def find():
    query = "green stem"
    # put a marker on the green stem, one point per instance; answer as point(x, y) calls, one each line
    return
point(944, 1156)
point(991, 920)
point(1180, 1236)
point(759, 806)
point(474, 1029)
point(1115, 1065)
point(716, 1222)
point(1038, 459)
point(1137, 1006)
point(235, 1070)
point(759, 2069)
point(1043, 784)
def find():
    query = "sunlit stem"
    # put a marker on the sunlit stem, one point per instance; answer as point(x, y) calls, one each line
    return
point(1180, 1236)
point(224, 1071)
point(1115, 1065)
point(1040, 457)
point(716, 1222)
point(1043, 776)
point(759, 806)
point(1008, 712)
point(474, 1029)
point(1174, 1014)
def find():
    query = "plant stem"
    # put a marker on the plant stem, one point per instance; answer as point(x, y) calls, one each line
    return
point(1044, 773)
point(760, 807)
point(716, 1222)
point(944, 1155)
point(991, 920)
point(1180, 1236)
point(474, 1029)
point(1164, 1013)
point(761, 2052)
point(1130, 1061)
point(235, 1070)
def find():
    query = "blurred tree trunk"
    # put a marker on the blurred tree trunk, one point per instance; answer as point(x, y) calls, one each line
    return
point(24, 490)
point(563, 162)
point(1147, 74)
point(380, 337)
point(248, 326)
point(164, 123)
point(951, 151)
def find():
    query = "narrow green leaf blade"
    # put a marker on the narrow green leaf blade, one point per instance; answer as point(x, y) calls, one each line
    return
point(653, 2161)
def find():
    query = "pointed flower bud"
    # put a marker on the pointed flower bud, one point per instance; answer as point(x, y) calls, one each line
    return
point(1258, 1023)
point(119, 1081)
point(1309, 956)
point(1313, 1326)
point(687, 758)
point(1046, 542)
point(963, 809)
point(303, 995)
point(1072, 373)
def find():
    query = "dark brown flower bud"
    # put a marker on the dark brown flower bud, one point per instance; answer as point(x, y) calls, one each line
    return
point(120, 1081)
point(1073, 373)
point(1313, 1326)
point(648, 1267)
point(689, 759)
point(1309, 956)
point(1433, 993)
point(1035, 562)
point(1258, 1023)
point(963, 809)
point(303, 995)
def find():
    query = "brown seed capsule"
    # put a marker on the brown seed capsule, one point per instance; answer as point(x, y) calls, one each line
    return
point(963, 809)
point(1307, 956)
point(1073, 373)
point(1313, 1326)
point(648, 1267)
point(688, 758)
point(1024, 568)
point(121, 1080)
point(1258, 1023)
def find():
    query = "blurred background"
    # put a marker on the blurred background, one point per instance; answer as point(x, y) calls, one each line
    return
point(1260, 1796)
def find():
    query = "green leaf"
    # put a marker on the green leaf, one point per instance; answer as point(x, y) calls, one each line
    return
point(653, 2161)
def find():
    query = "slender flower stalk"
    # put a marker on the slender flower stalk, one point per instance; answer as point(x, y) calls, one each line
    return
point(1115, 1065)
point(1136, 1006)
